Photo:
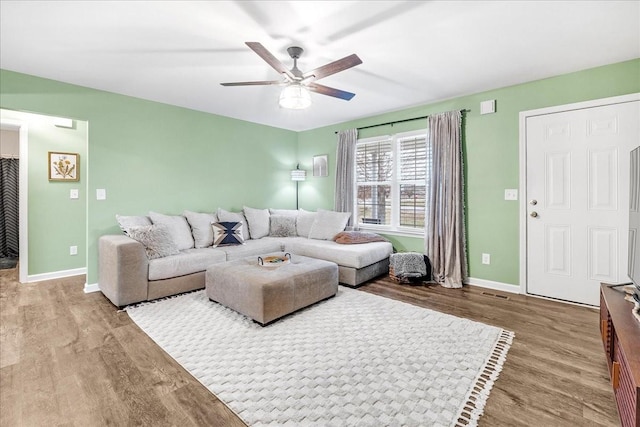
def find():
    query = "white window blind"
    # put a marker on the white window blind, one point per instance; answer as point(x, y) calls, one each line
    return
point(391, 174)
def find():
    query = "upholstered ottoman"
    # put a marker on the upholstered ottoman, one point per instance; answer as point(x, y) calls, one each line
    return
point(265, 294)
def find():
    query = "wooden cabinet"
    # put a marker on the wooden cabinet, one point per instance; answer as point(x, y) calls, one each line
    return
point(621, 338)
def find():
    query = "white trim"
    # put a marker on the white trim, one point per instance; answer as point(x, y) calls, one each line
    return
point(88, 288)
point(524, 115)
point(56, 275)
point(490, 284)
point(418, 234)
point(23, 193)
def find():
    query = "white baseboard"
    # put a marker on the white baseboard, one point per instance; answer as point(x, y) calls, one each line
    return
point(56, 275)
point(490, 284)
point(88, 288)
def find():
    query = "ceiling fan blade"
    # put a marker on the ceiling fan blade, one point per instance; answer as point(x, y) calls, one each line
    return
point(326, 90)
point(334, 67)
point(258, 83)
point(270, 59)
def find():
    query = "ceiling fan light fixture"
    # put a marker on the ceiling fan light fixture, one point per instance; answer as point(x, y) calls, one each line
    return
point(295, 97)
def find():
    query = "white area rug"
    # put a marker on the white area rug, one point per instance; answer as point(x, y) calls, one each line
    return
point(354, 360)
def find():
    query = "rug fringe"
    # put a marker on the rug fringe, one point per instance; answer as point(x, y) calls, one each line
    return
point(143, 303)
point(477, 398)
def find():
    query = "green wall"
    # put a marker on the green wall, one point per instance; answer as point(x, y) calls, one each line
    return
point(152, 156)
point(55, 221)
point(491, 155)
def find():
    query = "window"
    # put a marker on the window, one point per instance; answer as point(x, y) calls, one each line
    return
point(391, 178)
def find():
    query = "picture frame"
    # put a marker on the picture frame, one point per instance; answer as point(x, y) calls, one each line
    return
point(321, 165)
point(64, 166)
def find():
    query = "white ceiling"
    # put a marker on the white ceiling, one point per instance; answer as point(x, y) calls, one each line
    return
point(413, 52)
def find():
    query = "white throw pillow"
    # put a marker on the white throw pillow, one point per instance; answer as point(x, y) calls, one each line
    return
point(200, 224)
point(258, 220)
point(226, 216)
point(328, 224)
point(283, 226)
point(156, 239)
point(131, 221)
point(178, 228)
point(304, 222)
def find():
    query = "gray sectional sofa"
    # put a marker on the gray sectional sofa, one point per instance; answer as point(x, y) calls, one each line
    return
point(128, 274)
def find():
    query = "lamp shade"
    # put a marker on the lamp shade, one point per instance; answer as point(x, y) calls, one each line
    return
point(298, 175)
point(295, 97)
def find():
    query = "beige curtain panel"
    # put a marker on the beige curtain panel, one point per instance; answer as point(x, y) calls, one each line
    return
point(444, 218)
point(345, 173)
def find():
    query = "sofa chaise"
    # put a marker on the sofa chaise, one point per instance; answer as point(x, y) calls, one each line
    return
point(132, 269)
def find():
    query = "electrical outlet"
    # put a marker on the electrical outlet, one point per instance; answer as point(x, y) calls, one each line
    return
point(486, 259)
point(74, 193)
point(73, 250)
point(101, 194)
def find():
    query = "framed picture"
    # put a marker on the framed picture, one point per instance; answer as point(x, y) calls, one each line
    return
point(64, 166)
point(320, 165)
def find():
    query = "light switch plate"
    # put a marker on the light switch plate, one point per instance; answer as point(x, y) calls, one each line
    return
point(101, 194)
point(74, 193)
point(73, 250)
point(511, 194)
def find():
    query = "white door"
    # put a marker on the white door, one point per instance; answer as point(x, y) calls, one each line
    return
point(577, 195)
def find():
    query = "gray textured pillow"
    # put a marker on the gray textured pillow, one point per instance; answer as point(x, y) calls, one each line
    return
point(288, 212)
point(304, 222)
point(258, 220)
point(178, 228)
point(283, 226)
point(131, 221)
point(200, 224)
point(156, 239)
point(328, 224)
point(226, 216)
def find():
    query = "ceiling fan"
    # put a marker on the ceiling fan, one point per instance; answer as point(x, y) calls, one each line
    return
point(298, 84)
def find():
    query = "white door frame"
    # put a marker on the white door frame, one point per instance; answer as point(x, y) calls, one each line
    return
point(524, 115)
point(23, 175)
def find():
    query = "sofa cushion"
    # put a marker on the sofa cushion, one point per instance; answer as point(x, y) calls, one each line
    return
point(156, 239)
point(201, 230)
point(258, 220)
point(178, 227)
point(125, 222)
point(328, 223)
point(283, 226)
point(185, 262)
point(227, 216)
point(304, 222)
point(227, 233)
point(253, 247)
point(355, 256)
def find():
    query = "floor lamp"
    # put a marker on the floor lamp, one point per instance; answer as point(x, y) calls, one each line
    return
point(298, 175)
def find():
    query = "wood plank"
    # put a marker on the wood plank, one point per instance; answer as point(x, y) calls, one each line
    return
point(70, 358)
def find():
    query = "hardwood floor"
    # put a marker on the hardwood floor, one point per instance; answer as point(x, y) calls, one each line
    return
point(71, 359)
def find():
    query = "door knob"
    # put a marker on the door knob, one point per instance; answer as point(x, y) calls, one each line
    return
point(534, 214)
point(533, 202)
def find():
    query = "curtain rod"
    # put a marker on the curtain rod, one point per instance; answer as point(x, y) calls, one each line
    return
point(398, 121)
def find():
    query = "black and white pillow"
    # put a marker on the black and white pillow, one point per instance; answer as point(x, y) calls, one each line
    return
point(227, 233)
